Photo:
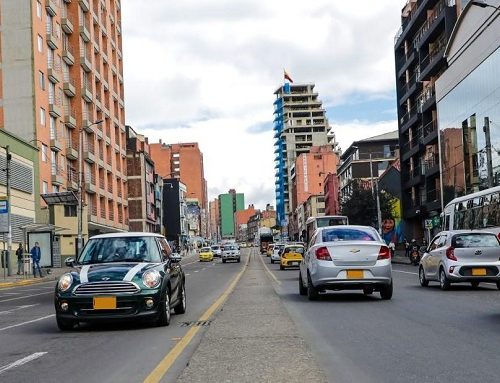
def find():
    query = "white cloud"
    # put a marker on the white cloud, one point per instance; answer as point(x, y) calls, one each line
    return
point(206, 70)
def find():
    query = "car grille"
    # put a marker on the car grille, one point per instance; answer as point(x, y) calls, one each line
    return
point(466, 271)
point(93, 288)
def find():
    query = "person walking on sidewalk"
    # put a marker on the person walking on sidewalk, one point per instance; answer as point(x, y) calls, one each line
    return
point(36, 255)
point(19, 253)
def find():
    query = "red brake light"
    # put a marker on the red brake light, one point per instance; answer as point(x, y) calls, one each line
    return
point(323, 254)
point(384, 253)
point(450, 253)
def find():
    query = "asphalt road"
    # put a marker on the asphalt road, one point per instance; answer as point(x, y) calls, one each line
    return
point(33, 349)
point(421, 335)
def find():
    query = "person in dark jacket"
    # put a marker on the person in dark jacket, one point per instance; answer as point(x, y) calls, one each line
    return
point(19, 253)
point(36, 255)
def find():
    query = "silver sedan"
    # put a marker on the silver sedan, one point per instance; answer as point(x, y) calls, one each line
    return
point(461, 256)
point(346, 258)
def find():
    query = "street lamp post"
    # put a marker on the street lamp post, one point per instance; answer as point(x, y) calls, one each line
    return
point(79, 243)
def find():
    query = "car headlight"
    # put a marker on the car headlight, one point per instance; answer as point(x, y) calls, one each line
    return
point(151, 279)
point(65, 282)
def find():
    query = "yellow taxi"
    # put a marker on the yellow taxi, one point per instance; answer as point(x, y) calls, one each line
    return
point(206, 254)
point(270, 248)
point(291, 256)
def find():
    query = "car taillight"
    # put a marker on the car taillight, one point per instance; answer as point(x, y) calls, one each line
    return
point(323, 254)
point(450, 253)
point(384, 253)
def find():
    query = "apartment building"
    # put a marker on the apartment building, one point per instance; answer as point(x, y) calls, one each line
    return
point(184, 161)
point(241, 220)
point(62, 90)
point(426, 26)
point(229, 204)
point(141, 183)
point(331, 192)
point(214, 219)
point(300, 123)
point(175, 220)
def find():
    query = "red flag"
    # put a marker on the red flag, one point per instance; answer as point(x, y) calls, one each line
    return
point(287, 76)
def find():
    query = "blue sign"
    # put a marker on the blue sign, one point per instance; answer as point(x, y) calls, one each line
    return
point(4, 212)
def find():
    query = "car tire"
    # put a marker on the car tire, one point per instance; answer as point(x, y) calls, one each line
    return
point(272, 262)
point(368, 291)
point(421, 277)
point(164, 308)
point(444, 282)
point(239, 259)
point(180, 308)
point(386, 291)
point(498, 285)
point(223, 261)
point(281, 267)
point(65, 324)
point(312, 292)
point(474, 284)
point(302, 288)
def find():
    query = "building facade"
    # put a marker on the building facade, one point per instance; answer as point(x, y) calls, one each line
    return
point(229, 204)
point(241, 220)
point(331, 192)
point(174, 213)
point(426, 26)
point(62, 88)
point(300, 122)
point(214, 220)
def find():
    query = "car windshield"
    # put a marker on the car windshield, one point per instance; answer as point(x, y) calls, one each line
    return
point(215, 247)
point(205, 250)
point(474, 240)
point(343, 234)
point(120, 249)
point(229, 247)
point(294, 249)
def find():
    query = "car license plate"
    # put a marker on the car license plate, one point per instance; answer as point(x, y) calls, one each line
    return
point(294, 263)
point(104, 303)
point(355, 274)
point(478, 272)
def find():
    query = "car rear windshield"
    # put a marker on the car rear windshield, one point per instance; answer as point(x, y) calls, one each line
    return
point(474, 240)
point(205, 249)
point(215, 247)
point(341, 234)
point(229, 247)
point(294, 249)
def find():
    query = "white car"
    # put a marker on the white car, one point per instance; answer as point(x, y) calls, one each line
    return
point(346, 258)
point(230, 253)
point(216, 250)
point(275, 256)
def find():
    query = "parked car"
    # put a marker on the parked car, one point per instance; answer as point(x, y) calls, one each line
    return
point(217, 250)
point(121, 276)
point(291, 255)
point(346, 257)
point(275, 256)
point(461, 256)
point(206, 254)
point(231, 253)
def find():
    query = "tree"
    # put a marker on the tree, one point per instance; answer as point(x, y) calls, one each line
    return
point(361, 207)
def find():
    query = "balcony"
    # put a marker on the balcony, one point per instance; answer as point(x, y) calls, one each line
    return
point(427, 28)
point(54, 72)
point(88, 154)
point(85, 5)
point(57, 179)
point(55, 144)
point(409, 119)
point(431, 165)
point(87, 125)
point(54, 107)
point(90, 187)
point(69, 86)
point(430, 132)
point(71, 151)
point(52, 40)
point(51, 7)
point(84, 29)
point(404, 62)
point(69, 117)
point(85, 61)
point(412, 147)
point(415, 177)
point(410, 87)
point(67, 55)
point(426, 98)
point(435, 61)
point(87, 93)
point(67, 25)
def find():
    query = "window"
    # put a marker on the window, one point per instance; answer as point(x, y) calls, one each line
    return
point(55, 188)
point(41, 80)
point(70, 211)
point(45, 187)
point(39, 9)
point(40, 43)
point(42, 116)
point(44, 152)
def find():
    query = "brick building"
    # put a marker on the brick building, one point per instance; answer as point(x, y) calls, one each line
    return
point(331, 192)
point(241, 219)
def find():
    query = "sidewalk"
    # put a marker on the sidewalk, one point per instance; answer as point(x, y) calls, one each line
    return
point(23, 280)
point(252, 339)
point(400, 258)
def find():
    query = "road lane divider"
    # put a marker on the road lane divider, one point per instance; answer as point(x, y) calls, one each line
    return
point(404, 272)
point(22, 361)
point(162, 368)
point(27, 322)
point(17, 309)
point(269, 271)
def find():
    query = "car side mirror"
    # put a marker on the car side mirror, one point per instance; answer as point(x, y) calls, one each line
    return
point(69, 262)
point(175, 258)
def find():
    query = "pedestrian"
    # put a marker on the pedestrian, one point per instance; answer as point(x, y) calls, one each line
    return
point(36, 255)
point(19, 253)
point(407, 248)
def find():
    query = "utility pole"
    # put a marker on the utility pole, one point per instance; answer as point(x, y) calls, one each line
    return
point(79, 243)
point(489, 159)
point(9, 221)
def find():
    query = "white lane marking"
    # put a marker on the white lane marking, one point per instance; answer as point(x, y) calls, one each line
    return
point(28, 322)
point(22, 361)
point(10, 294)
point(404, 272)
point(17, 309)
point(25, 297)
point(133, 271)
point(196, 271)
point(187, 274)
point(84, 274)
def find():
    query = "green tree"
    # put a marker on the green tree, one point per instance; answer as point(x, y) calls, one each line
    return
point(361, 207)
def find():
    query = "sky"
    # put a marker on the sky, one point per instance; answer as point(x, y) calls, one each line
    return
point(205, 71)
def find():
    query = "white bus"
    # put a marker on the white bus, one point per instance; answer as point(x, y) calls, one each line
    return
point(313, 223)
point(479, 210)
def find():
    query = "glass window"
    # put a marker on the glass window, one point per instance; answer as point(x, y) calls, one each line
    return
point(344, 234)
point(40, 43)
point(45, 149)
point(45, 187)
point(294, 249)
point(41, 80)
point(474, 240)
point(42, 116)
point(39, 9)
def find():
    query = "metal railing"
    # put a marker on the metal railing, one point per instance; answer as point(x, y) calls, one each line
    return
point(427, 93)
point(408, 115)
point(411, 81)
point(437, 11)
point(435, 54)
point(430, 127)
point(415, 141)
point(430, 162)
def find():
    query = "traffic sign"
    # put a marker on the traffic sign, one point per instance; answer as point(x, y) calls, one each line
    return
point(4, 213)
point(428, 224)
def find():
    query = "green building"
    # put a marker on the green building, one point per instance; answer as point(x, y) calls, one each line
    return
point(229, 204)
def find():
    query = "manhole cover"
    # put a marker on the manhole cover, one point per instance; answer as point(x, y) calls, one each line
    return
point(196, 323)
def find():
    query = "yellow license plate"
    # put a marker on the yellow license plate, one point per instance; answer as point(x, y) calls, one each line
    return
point(478, 272)
point(355, 274)
point(104, 303)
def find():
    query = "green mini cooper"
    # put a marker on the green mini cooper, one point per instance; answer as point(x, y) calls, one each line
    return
point(121, 276)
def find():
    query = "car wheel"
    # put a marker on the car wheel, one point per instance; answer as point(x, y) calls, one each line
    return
point(281, 267)
point(181, 306)
point(368, 291)
point(444, 282)
point(312, 292)
point(302, 288)
point(272, 262)
point(65, 324)
point(164, 308)
point(386, 291)
point(421, 277)
point(223, 261)
point(475, 284)
point(239, 260)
